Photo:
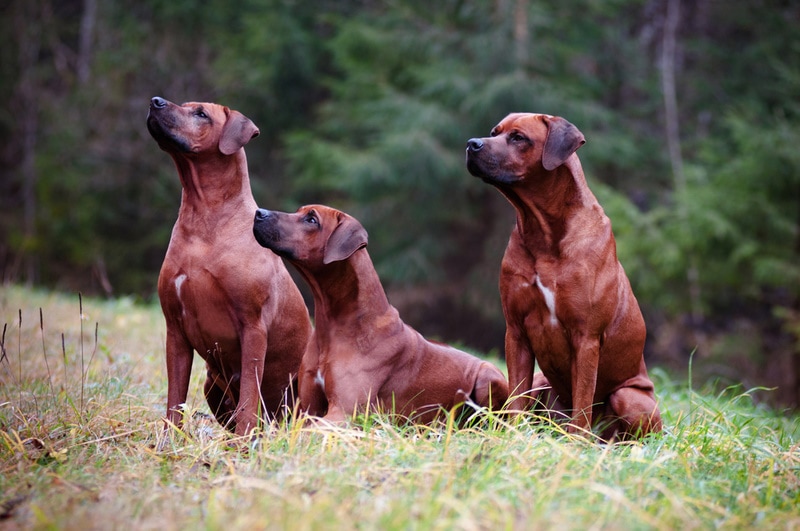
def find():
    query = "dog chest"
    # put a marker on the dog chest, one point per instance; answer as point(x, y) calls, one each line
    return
point(203, 314)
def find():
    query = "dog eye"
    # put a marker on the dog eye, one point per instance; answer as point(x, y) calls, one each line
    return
point(200, 114)
point(311, 218)
point(516, 137)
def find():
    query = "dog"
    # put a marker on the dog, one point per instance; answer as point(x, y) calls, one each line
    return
point(567, 302)
point(221, 293)
point(362, 355)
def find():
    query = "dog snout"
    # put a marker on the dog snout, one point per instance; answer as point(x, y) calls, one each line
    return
point(474, 144)
point(158, 103)
point(266, 231)
point(262, 214)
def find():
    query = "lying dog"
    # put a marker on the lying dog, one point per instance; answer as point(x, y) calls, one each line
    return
point(361, 354)
point(223, 295)
point(567, 301)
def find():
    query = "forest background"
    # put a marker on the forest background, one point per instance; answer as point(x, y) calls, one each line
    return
point(691, 111)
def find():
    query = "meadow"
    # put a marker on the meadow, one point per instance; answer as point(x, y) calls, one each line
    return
point(83, 391)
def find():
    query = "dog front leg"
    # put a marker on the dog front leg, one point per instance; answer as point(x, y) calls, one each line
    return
point(585, 362)
point(254, 348)
point(336, 415)
point(311, 383)
point(520, 361)
point(179, 370)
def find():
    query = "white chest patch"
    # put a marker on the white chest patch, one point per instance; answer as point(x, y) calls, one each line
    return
point(179, 280)
point(549, 299)
point(319, 379)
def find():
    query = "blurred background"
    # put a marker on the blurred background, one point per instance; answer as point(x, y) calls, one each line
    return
point(690, 108)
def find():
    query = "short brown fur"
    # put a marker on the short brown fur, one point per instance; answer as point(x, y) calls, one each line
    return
point(222, 294)
point(362, 355)
point(567, 301)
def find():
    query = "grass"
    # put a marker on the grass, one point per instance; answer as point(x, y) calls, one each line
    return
point(82, 393)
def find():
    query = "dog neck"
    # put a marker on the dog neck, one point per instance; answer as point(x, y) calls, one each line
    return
point(548, 202)
point(210, 180)
point(348, 295)
point(216, 189)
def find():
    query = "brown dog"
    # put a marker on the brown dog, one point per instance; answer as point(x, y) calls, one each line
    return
point(221, 293)
point(567, 301)
point(361, 354)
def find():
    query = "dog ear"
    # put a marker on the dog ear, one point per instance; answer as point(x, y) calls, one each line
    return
point(237, 131)
point(563, 139)
point(348, 237)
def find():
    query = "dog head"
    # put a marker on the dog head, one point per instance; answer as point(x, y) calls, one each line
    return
point(194, 128)
point(521, 146)
point(314, 236)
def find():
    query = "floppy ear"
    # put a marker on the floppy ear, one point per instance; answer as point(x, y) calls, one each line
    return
point(563, 139)
point(237, 131)
point(348, 237)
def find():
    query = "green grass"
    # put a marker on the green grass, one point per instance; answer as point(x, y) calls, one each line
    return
point(79, 453)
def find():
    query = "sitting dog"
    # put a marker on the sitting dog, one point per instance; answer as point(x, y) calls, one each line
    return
point(361, 354)
point(223, 295)
point(567, 301)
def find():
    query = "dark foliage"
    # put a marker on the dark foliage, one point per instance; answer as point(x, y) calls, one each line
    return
point(367, 105)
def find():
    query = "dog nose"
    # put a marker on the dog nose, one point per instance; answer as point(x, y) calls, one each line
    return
point(158, 103)
point(474, 144)
point(262, 214)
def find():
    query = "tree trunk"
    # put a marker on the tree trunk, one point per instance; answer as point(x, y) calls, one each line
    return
point(28, 42)
point(88, 19)
point(669, 52)
point(521, 34)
